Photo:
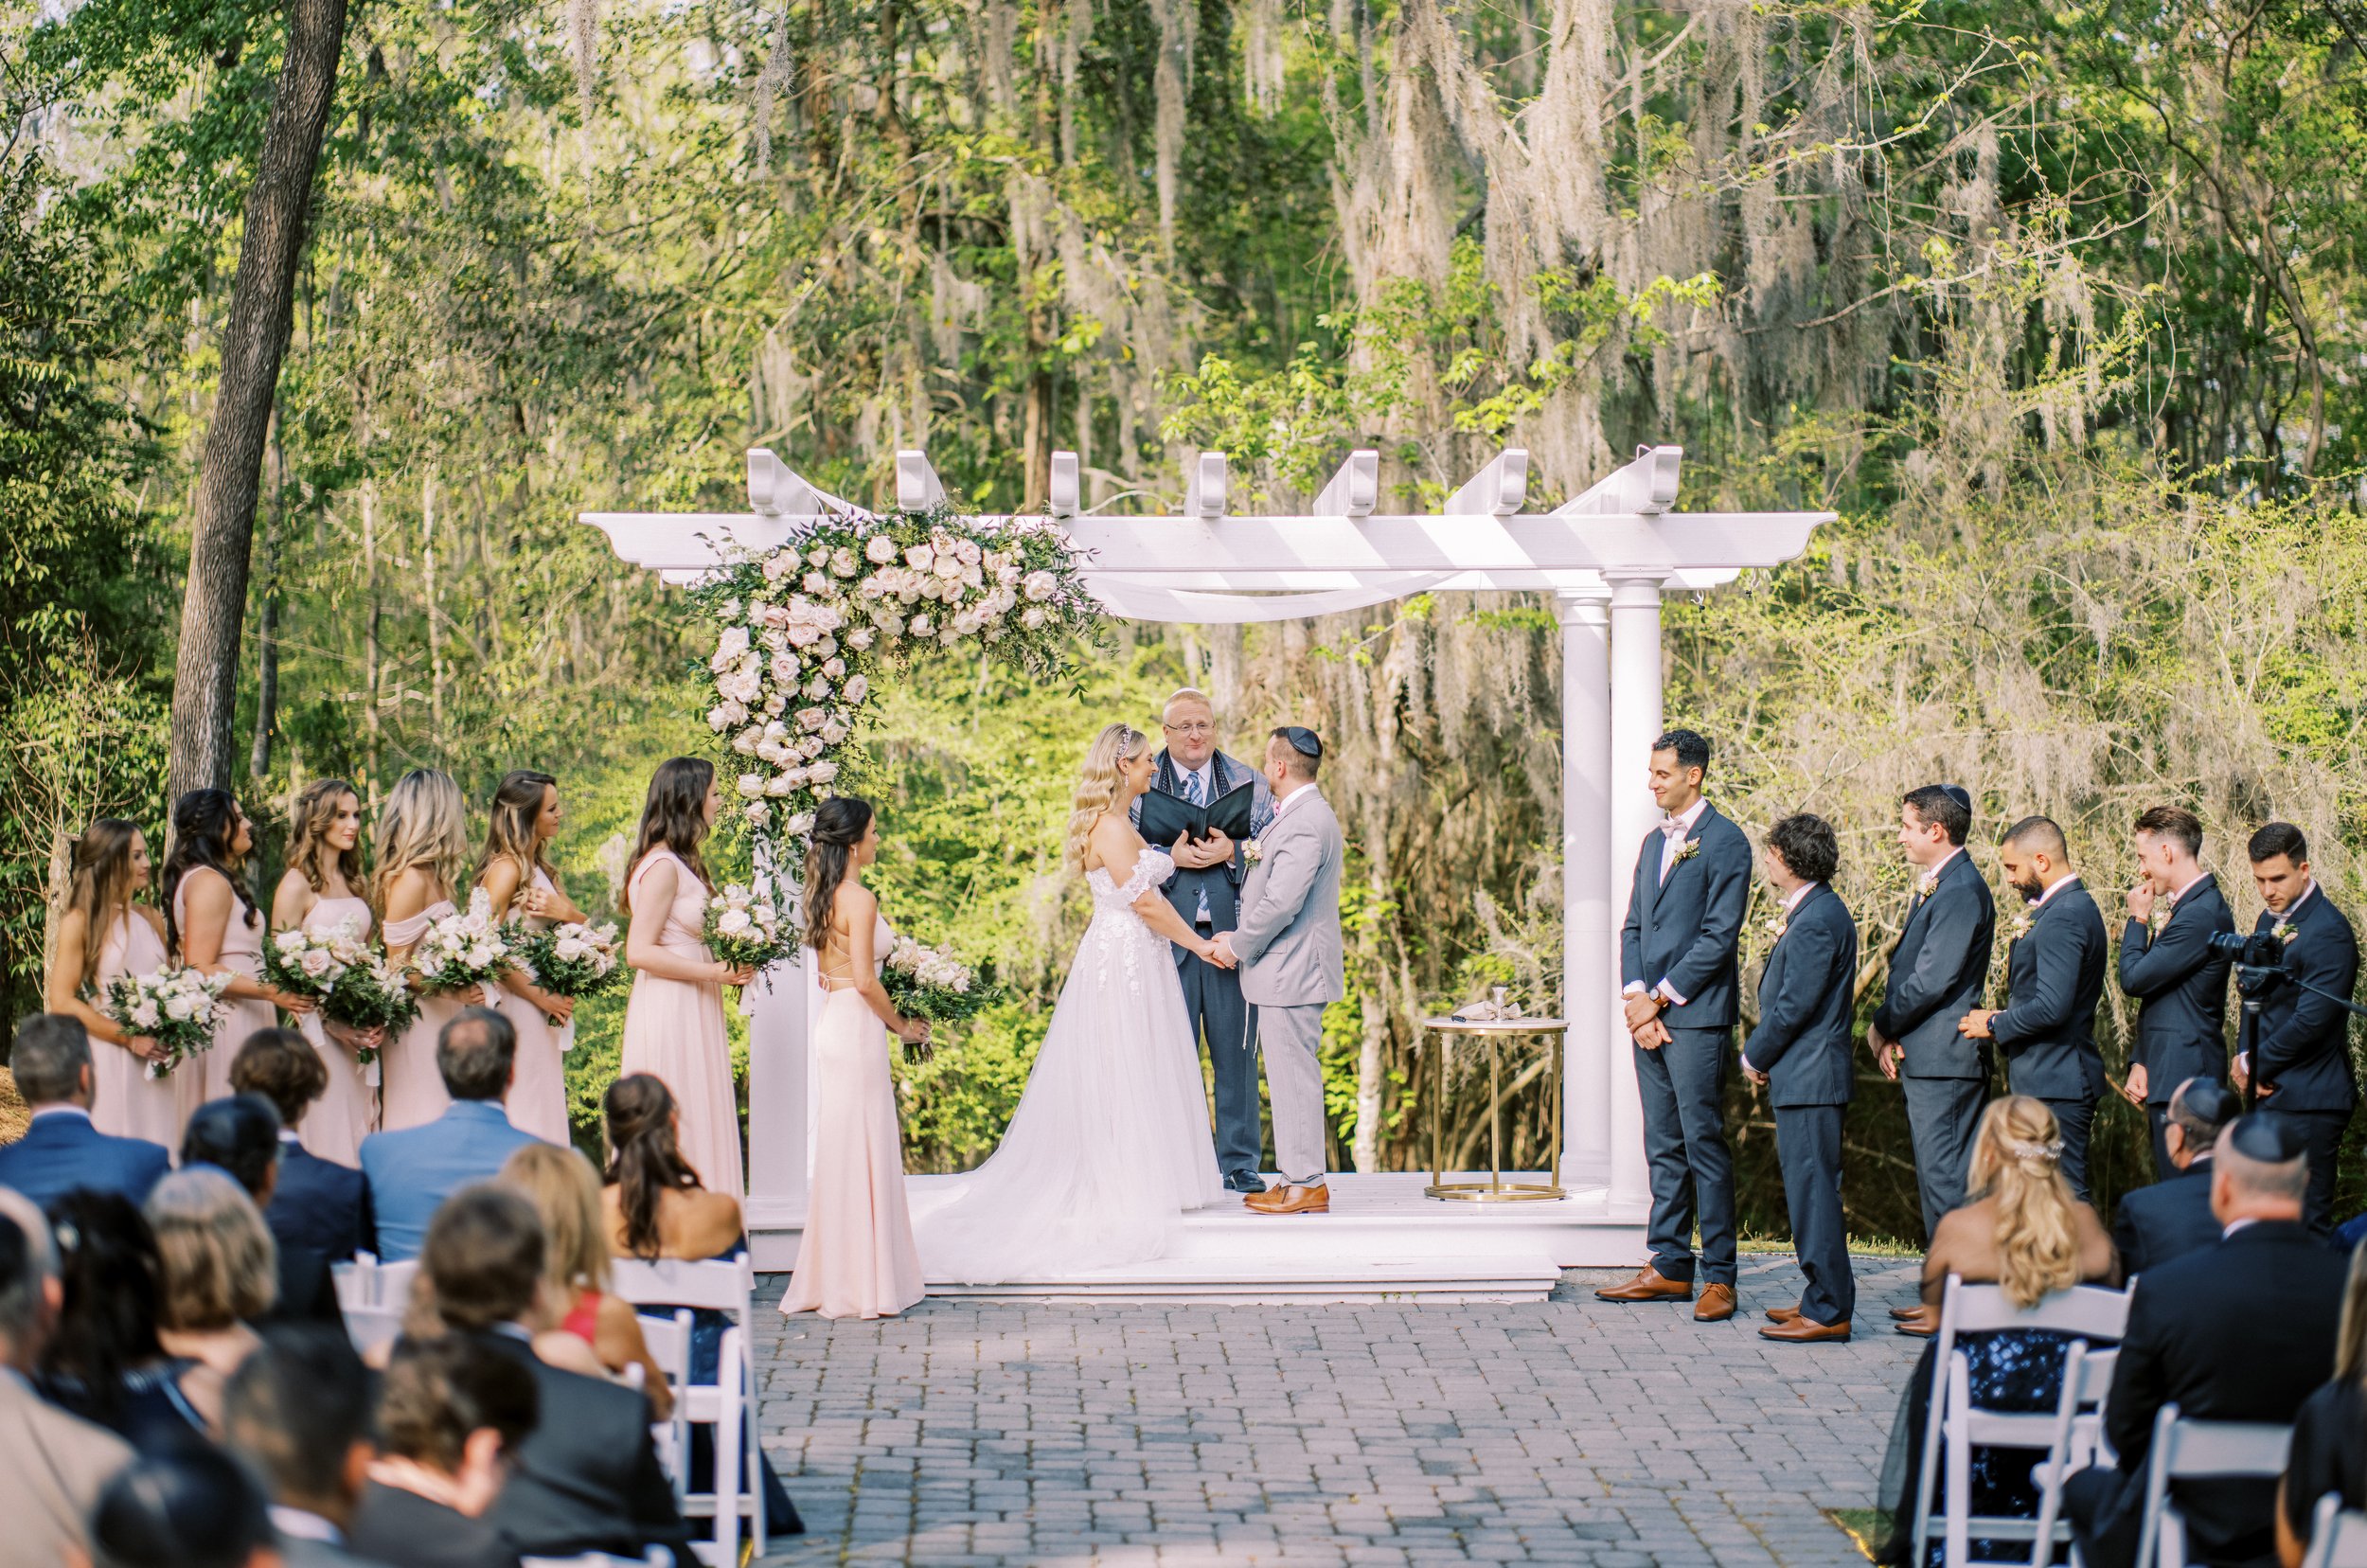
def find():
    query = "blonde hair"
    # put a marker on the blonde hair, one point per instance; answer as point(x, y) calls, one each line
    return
point(1099, 783)
point(565, 1192)
point(424, 822)
point(2017, 1159)
point(220, 1265)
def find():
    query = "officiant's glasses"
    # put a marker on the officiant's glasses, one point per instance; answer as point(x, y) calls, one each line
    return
point(1199, 726)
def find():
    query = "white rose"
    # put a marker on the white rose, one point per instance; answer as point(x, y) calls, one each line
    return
point(921, 625)
point(833, 733)
point(288, 941)
point(783, 783)
point(731, 610)
point(747, 741)
point(843, 562)
point(569, 949)
point(1039, 586)
point(733, 923)
point(316, 963)
point(728, 648)
point(816, 584)
point(751, 785)
point(778, 566)
point(719, 718)
point(860, 638)
point(969, 551)
point(834, 667)
point(879, 549)
point(482, 956)
point(144, 1014)
point(811, 718)
point(818, 555)
point(775, 703)
point(892, 625)
point(857, 687)
point(818, 687)
point(1033, 617)
point(821, 772)
point(784, 669)
point(921, 558)
point(948, 567)
point(759, 812)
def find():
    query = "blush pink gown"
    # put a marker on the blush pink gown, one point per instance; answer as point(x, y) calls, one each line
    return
point(411, 1092)
point(348, 1110)
point(243, 950)
point(538, 1095)
point(856, 1258)
point(127, 1103)
point(674, 1032)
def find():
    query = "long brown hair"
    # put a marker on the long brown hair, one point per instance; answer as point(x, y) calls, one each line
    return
point(102, 885)
point(309, 854)
point(674, 817)
point(2017, 1159)
point(838, 825)
point(644, 1160)
point(510, 827)
point(205, 825)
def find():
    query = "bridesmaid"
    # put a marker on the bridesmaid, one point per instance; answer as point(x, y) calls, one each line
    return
point(857, 1259)
point(105, 935)
point(211, 920)
point(674, 1019)
point(422, 848)
point(516, 874)
point(321, 891)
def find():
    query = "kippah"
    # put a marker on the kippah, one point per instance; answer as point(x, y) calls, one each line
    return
point(2268, 1138)
point(1958, 793)
point(1303, 741)
point(2206, 1099)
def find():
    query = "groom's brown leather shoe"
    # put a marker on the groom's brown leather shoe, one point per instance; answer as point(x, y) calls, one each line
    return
point(1802, 1331)
point(1291, 1200)
point(1782, 1314)
point(1650, 1285)
point(1715, 1306)
point(1907, 1314)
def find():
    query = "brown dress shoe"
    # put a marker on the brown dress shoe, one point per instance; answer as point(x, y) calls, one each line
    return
point(1923, 1324)
point(1906, 1314)
point(1782, 1314)
point(1650, 1285)
point(1291, 1200)
point(1715, 1306)
point(1800, 1331)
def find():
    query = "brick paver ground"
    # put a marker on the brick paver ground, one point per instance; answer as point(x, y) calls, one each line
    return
point(1568, 1431)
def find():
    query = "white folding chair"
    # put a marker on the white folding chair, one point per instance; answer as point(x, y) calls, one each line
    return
point(730, 1401)
point(659, 1558)
point(369, 1328)
point(353, 1286)
point(1955, 1427)
point(367, 1282)
point(2337, 1538)
point(2184, 1448)
point(669, 1341)
point(2078, 1441)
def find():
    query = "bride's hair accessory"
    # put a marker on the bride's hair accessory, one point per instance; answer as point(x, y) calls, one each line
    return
point(2022, 1148)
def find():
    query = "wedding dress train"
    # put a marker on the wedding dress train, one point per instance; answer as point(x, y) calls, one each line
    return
point(1109, 1145)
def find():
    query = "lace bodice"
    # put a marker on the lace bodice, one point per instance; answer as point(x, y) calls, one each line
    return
point(1152, 868)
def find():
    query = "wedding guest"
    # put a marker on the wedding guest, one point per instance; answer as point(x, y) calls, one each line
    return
point(218, 1276)
point(2172, 1218)
point(413, 1169)
point(422, 847)
point(2055, 977)
point(1205, 890)
point(514, 870)
point(452, 1415)
point(239, 1136)
point(1937, 971)
point(856, 1257)
point(2330, 1451)
point(2168, 965)
point(2294, 1054)
point(2194, 1339)
point(211, 920)
point(315, 1202)
point(323, 893)
point(62, 1148)
point(674, 1018)
point(1799, 1057)
point(299, 1413)
point(1678, 971)
point(103, 1362)
point(45, 1503)
point(596, 1333)
point(192, 1507)
point(587, 1478)
point(106, 935)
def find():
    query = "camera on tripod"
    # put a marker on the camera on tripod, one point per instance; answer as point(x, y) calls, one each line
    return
point(2260, 949)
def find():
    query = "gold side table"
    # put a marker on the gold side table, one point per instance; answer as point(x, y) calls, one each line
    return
point(1494, 1032)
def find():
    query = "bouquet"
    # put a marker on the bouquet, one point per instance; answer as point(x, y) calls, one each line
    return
point(463, 950)
point(308, 965)
point(931, 982)
point(370, 995)
point(574, 960)
point(176, 1007)
point(744, 928)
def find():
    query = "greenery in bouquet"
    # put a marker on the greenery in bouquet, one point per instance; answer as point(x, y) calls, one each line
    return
point(744, 928)
point(927, 981)
point(573, 960)
point(309, 964)
point(462, 950)
point(177, 1007)
point(371, 995)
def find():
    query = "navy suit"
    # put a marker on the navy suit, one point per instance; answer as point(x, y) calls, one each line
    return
point(1937, 972)
point(2300, 1042)
point(2180, 982)
point(1683, 931)
point(2170, 1218)
point(319, 1205)
point(412, 1172)
point(1806, 996)
point(2054, 979)
point(61, 1151)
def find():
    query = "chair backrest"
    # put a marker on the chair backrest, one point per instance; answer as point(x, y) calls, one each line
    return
point(2095, 1375)
point(721, 1284)
point(2088, 1311)
point(2337, 1538)
point(668, 1340)
point(2193, 1448)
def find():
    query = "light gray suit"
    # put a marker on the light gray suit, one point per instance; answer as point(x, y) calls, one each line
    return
point(56, 1468)
point(1288, 945)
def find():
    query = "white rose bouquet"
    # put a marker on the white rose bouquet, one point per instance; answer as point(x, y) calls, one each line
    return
point(371, 995)
point(462, 950)
point(744, 930)
point(575, 960)
point(306, 964)
point(931, 982)
point(176, 1007)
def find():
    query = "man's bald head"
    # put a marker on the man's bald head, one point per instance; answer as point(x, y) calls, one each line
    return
point(2040, 836)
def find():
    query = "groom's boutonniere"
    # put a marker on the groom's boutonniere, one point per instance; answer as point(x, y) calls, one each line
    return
point(1927, 884)
point(1685, 851)
point(1252, 851)
point(2021, 927)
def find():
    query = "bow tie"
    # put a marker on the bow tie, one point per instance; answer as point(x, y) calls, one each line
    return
point(1672, 827)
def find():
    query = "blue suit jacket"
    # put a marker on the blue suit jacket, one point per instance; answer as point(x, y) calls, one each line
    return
point(2055, 977)
point(61, 1151)
point(2170, 1218)
point(1806, 1003)
point(2181, 986)
point(1685, 930)
point(2300, 1042)
point(413, 1172)
point(1937, 972)
point(319, 1205)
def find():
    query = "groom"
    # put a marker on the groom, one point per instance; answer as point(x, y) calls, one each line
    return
point(1288, 945)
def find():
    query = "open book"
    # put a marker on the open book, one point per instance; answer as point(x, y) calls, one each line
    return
point(1166, 817)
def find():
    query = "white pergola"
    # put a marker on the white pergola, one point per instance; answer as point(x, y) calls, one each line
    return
point(1607, 557)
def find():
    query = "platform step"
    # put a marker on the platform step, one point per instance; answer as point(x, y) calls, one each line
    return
point(1248, 1280)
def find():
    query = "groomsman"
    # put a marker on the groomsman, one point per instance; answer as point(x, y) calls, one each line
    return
point(2053, 978)
point(1678, 965)
point(2169, 966)
point(1799, 1056)
point(1936, 971)
point(1205, 890)
point(2293, 1051)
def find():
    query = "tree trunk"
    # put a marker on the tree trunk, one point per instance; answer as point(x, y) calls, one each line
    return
point(205, 677)
point(267, 649)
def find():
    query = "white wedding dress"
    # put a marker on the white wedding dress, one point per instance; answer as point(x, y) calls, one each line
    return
point(1109, 1145)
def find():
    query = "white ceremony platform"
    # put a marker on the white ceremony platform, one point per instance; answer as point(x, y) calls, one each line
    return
point(1607, 557)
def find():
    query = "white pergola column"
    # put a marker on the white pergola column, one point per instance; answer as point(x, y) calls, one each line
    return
point(779, 1006)
point(1635, 723)
point(1589, 934)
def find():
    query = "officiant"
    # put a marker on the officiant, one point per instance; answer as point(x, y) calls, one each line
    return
point(1205, 890)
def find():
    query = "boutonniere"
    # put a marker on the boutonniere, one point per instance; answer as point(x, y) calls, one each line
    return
point(2285, 932)
point(1776, 927)
point(1685, 851)
point(2161, 915)
point(1252, 851)
point(1927, 884)
point(2021, 927)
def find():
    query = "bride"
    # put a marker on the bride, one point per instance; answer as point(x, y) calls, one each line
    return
point(1109, 1145)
